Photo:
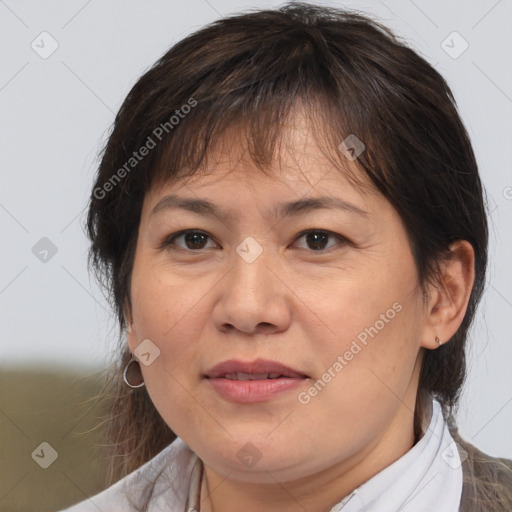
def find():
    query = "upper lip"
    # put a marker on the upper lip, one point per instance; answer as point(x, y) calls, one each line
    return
point(256, 366)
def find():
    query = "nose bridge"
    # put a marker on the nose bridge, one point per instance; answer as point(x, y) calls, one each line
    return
point(250, 272)
point(252, 296)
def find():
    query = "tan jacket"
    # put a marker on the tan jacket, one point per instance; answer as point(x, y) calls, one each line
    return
point(487, 481)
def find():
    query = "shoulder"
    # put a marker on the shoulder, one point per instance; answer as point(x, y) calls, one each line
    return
point(487, 480)
point(163, 477)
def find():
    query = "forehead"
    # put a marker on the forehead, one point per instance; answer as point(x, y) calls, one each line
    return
point(301, 163)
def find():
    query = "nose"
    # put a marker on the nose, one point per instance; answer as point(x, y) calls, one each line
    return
point(253, 299)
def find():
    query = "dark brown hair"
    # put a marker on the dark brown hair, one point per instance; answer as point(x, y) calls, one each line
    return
point(351, 75)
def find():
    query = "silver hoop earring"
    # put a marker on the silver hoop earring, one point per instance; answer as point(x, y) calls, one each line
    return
point(125, 375)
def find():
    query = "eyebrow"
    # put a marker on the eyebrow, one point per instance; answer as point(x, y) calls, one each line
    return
point(301, 206)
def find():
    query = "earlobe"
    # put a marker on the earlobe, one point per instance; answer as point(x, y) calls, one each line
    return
point(450, 297)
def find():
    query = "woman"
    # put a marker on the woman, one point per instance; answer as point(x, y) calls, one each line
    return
point(289, 218)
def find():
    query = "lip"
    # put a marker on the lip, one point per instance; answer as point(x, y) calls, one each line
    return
point(256, 366)
point(252, 391)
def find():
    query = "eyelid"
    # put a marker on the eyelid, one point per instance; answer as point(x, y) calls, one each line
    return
point(168, 241)
point(342, 239)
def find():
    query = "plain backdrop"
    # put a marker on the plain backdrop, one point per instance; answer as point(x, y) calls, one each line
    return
point(55, 113)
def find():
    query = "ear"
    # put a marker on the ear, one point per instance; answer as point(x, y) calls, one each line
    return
point(449, 297)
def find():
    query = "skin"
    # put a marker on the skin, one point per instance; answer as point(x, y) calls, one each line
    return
point(205, 305)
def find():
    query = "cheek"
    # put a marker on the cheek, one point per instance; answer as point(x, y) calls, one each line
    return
point(165, 305)
point(372, 343)
point(167, 314)
point(378, 309)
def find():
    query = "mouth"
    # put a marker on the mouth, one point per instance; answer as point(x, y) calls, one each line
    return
point(254, 376)
point(256, 381)
point(260, 369)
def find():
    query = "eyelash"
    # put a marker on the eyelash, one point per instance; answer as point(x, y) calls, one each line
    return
point(169, 241)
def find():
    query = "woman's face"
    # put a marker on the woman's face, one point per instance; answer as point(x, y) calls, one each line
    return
point(340, 306)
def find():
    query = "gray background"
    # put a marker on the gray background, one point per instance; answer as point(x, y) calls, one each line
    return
point(55, 113)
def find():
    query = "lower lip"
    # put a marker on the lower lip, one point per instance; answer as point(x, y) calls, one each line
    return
point(252, 391)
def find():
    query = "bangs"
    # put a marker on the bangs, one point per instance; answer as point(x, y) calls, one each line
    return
point(261, 134)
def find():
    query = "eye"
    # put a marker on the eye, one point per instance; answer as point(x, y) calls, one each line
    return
point(317, 239)
point(194, 240)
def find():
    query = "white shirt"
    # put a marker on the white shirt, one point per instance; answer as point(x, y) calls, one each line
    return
point(427, 478)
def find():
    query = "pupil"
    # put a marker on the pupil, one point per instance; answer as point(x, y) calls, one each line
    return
point(195, 238)
point(317, 238)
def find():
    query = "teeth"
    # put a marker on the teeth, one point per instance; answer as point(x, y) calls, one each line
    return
point(251, 376)
point(243, 376)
